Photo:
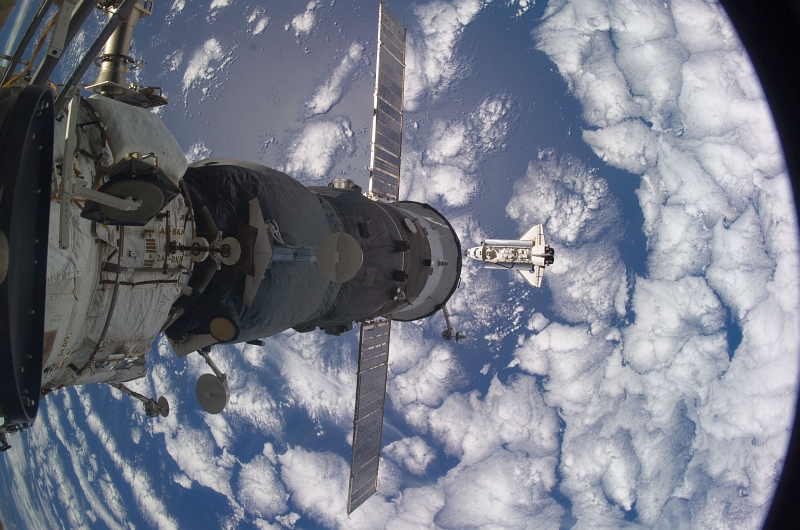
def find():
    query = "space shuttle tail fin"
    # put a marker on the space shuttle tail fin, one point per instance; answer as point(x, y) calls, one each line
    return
point(535, 234)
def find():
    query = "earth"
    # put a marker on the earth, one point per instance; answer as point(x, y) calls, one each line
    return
point(649, 383)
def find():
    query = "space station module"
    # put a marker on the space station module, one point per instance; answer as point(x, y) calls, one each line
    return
point(109, 237)
point(226, 252)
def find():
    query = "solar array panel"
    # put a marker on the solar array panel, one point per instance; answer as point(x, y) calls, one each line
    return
point(387, 124)
point(373, 357)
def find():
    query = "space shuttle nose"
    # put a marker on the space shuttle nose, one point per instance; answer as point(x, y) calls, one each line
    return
point(474, 253)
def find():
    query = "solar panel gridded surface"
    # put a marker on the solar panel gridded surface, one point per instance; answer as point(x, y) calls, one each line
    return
point(387, 126)
point(368, 417)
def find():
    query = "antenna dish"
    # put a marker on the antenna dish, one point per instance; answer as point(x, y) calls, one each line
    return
point(212, 393)
point(163, 407)
point(339, 257)
point(230, 250)
point(198, 249)
point(150, 193)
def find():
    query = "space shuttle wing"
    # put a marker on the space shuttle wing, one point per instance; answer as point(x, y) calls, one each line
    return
point(533, 277)
point(387, 121)
point(373, 358)
point(535, 234)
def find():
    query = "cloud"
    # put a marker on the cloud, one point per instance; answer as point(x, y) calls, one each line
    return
point(100, 492)
point(198, 151)
point(173, 60)
point(522, 6)
point(67, 492)
point(194, 452)
point(671, 316)
point(570, 199)
point(588, 284)
point(509, 430)
point(330, 92)
point(390, 479)
point(432, 65)
point(201, 453)
point(411, 453)
point(320, 374)
point(315, 149)
point(250, 403)
point(506, 490)
point(421, 373)
point(507, 446)
point(446, 170)
point(260, 490)
point(581, 220)
point(511, 416)
point(317, 482)
point(627, 438)
point(199, 68)
point(151, 507)
point(668, 408)
point(573, 360)
point(303, 23)
point(260, 26)
point(23, 469)
point(260, 19)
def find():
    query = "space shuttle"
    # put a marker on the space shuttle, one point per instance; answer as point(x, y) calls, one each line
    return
point(528, 255)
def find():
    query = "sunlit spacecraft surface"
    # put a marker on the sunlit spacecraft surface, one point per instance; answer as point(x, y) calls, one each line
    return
point(528, 255)
point(108, 237)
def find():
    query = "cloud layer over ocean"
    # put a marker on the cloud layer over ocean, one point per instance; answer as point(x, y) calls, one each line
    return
point(690, 429)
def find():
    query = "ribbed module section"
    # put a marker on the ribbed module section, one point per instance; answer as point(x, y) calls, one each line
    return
point(387, 125)
point(373, 360)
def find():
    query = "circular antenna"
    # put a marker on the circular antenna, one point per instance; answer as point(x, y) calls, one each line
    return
point(339, 257)
point(151, 195)
point(198, 249)
point(163, 406)
point(230, 250)
point(222, 329)
point(212, 393)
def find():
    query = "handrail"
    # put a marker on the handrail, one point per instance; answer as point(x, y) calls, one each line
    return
point(48, 64)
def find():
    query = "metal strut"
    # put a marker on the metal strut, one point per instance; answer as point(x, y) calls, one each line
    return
point(152, 407)
point(449, 333)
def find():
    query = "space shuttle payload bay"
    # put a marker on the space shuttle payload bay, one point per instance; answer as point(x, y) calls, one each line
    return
point(528, 255)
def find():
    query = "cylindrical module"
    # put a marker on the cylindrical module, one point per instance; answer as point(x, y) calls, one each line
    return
point(411, 256)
